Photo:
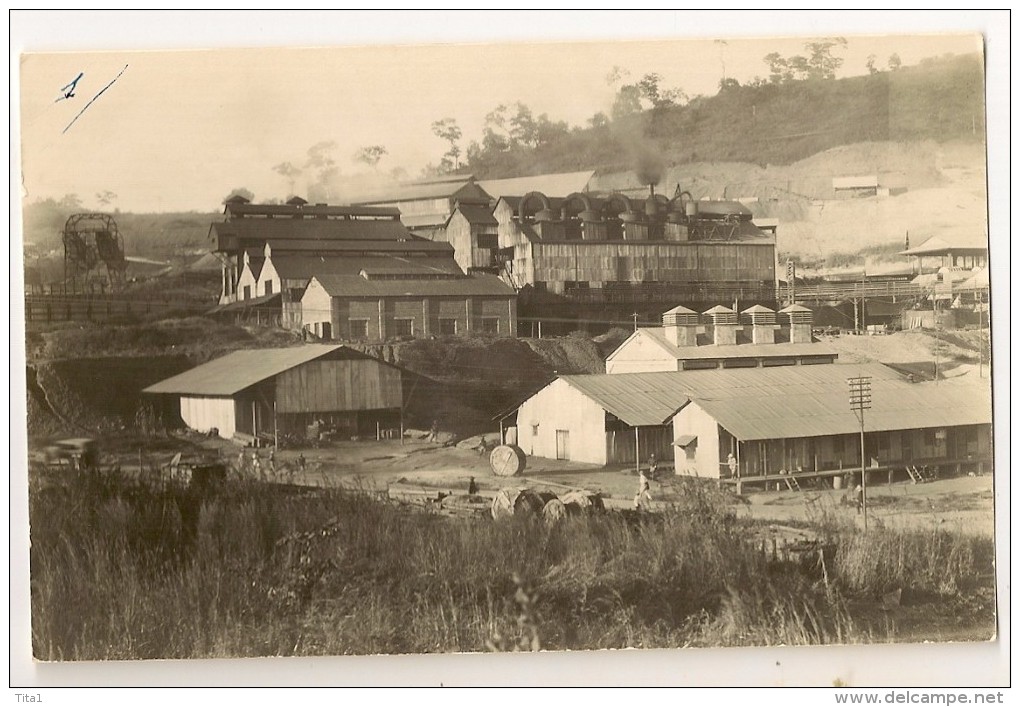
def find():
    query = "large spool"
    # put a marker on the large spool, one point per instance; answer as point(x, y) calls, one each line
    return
point(507, 460)
point(580, 502)
point(508, 503)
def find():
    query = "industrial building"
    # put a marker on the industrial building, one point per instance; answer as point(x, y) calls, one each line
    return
point(586, 256)
point(425, 206)
point(258, 394)
point(776, 421)
point(379, 304)
point(718, 338)
point(307, 234)
point(471, 231)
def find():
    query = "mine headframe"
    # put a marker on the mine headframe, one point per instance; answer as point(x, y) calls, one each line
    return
point(93, 254)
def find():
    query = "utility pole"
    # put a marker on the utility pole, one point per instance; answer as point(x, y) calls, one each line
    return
point(635, 315)
point(860, 400)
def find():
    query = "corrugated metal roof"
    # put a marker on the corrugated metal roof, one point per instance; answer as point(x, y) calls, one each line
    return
point(937, 245)
point(415, 245)
point(638, 399)
point(815, 410)
point(236, 371)
point(469, 285)
point(464, 189)
point(297, 267)
point(561, 184)
point(303, 208)
point(787, 402)
point(277, 229)
point(262, 302)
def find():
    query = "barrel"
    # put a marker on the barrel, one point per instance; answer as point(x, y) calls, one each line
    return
point(507, 460)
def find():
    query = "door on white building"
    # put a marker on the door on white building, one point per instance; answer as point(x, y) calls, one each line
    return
point(563, 444)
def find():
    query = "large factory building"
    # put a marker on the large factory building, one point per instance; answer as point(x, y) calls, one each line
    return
point(583, 256)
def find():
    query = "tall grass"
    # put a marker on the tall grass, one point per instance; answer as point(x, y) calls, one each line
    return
point(123, 571)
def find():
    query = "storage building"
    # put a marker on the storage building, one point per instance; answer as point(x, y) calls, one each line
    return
point(260, 393)
point(688, 340)
point(379, 304)
point(795, 420)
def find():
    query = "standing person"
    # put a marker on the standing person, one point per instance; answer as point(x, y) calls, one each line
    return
point(653, 467)
point(301, 462)
point(434, 431)
point(643, 489)
point(240, 461)
point(731, 462)
point(472, 487)
point(272, 461)
point(858, 496)
point(256, 465)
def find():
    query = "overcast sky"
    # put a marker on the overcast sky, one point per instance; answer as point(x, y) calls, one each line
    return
point(179, 129)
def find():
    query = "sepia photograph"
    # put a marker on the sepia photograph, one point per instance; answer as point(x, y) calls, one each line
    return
point(450, 346)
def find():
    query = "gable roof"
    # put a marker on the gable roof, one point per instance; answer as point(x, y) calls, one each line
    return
point(465, 189)
point(560, 183)
point(282, 229)
point(787, 402)
point(780, 405)
point(254, 264)
point(937, 245)
point(638, 399)
point(468, 285)
point(297, 267)
point(476, 215)
point(236, 371)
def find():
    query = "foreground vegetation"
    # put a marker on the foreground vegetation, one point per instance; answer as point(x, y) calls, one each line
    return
point(122, 570)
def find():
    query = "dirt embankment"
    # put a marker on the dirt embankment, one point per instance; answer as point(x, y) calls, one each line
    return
point(77, 396)
point(86, 380)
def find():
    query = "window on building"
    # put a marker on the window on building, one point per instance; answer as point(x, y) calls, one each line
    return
point(695, 365)
point(740, 363)
point(534, 429)
point(540, 286)
point(403, 327)
point(488, 240)
point(490, 325)
point(358, 328)
point(447, 326)
point(269, 287)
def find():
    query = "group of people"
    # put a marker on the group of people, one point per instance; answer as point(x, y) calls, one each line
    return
point(258, 470)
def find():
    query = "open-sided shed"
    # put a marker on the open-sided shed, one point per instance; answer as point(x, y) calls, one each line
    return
point(268, 392)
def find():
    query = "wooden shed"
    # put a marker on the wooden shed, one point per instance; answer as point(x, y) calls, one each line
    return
point(263, 393)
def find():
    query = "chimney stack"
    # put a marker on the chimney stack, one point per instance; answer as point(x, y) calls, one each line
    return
point(724, 325)
point(800, 319)
point(763, 324)
point(681, 325)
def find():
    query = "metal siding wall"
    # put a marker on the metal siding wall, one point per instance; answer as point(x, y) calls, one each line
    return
point(330, 386)
point(661, 262)
point(458, 234)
